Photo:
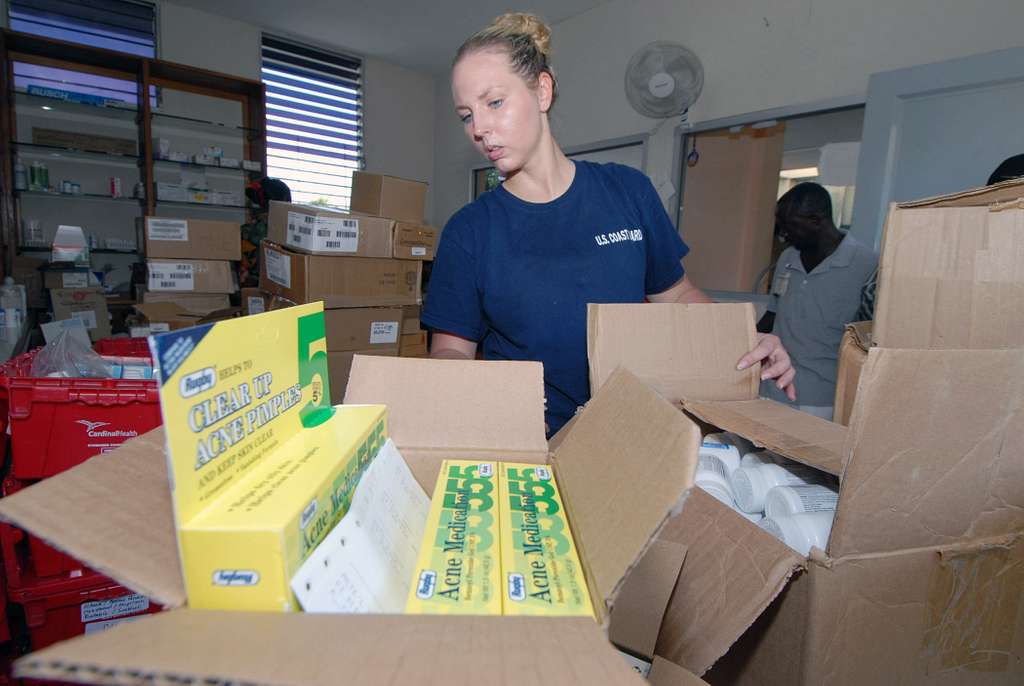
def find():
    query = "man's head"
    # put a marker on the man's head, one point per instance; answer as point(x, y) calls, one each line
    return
point(804, 215)
point(1010, 168)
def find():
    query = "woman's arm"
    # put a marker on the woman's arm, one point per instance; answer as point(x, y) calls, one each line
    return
point(446, 346)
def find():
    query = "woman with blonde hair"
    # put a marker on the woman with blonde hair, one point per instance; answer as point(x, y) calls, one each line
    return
point(516, 268)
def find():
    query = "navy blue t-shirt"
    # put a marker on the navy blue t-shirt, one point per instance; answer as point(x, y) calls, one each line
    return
point(517, 276)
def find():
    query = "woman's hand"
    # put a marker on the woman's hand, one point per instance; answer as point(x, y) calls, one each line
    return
point(775, 363)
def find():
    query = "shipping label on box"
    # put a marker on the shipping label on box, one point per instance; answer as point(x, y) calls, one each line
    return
point(459, 562)
point(540, 565)
point(171, 276)
point(278, 267)
point(262, 467)
point(159, 229)
point(323, 234)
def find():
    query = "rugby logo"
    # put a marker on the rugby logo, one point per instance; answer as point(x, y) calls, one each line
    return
point(197, 382)
point(516, 587)
point(486, 470)
point(308, 514)
point(236, 577)
point(543, 473)
point(426, 584)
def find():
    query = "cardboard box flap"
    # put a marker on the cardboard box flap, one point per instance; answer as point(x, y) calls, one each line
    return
point(112, 512)
point(454, 404)
point(952, 278)
point(934, 446)
point(678, 350)
point(732, 573)
point(640, 606)
point(196, 646)
point(976, 197)
point(779, 427)
point(623, 468)
point(665, 673)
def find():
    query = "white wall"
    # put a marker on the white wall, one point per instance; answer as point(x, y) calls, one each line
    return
point(398, 138)
point(398, 119)
point(756, 56)
point(205, 40)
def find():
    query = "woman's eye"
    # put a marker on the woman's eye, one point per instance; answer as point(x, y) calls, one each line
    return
point(465, 118)
point(496, 103)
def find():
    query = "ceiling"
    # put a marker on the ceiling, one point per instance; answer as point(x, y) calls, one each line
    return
point(418, 35)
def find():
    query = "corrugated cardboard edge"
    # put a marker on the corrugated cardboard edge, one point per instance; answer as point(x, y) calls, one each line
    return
point(136, 546)
point(1007, 191)
point(196, 646)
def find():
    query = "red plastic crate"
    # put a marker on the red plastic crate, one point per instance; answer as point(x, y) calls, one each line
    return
point(74, 608)
point(27, 560)
point(55, 424)
point(124, 347)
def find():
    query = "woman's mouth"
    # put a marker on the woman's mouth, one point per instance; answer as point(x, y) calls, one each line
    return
point(495, 153)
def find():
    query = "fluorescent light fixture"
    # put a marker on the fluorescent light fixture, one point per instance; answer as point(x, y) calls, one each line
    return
point(46, 107)
point(801, 173)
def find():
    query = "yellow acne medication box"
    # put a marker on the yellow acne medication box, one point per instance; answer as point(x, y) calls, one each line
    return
point(540, 566)
point(459, 566)
point(262, 467)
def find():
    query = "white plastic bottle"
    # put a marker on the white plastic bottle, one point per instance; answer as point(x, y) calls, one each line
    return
point(12, 302)
point(750, 485)
point(756, 459)
point(727, 454)
point(712, 476)
point(783, 501)
point(741, 444)
point(801, 531)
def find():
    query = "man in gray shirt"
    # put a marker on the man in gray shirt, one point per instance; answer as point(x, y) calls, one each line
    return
point(816, 292)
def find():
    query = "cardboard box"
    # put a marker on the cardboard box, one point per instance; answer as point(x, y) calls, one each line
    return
point(72, 277)
point(191, 238)
point(853, 352)
point(254, 301)
point(950, 271)
point(339, 281)
point(190, 276)
point(389, 196)
point(438, 409)
point(339, 366)
point(161, 317)
point(321, 231)
point(195, 303)
point(26, 271)
point(922, 538)
point(414, 241)
point(414, 345)
point(87, 304)
point(362, 328)
point(411, 318)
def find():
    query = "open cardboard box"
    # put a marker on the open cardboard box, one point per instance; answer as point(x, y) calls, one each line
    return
point(922, 578)
point(114, 512)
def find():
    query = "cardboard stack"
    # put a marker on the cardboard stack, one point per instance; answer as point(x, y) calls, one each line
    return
point(189, 269)
point(371, 257)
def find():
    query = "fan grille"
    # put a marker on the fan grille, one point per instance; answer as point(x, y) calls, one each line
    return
point(669, 58)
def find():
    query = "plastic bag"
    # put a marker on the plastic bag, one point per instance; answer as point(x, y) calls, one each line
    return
point(68, 356)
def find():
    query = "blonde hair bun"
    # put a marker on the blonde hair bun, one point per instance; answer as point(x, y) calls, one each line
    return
point(522, 23)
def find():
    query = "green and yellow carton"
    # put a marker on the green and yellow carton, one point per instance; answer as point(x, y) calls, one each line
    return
point(262, 467)
point(459, 566)
point(540, 565)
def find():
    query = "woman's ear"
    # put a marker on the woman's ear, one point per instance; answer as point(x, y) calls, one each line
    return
point(545, 91)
